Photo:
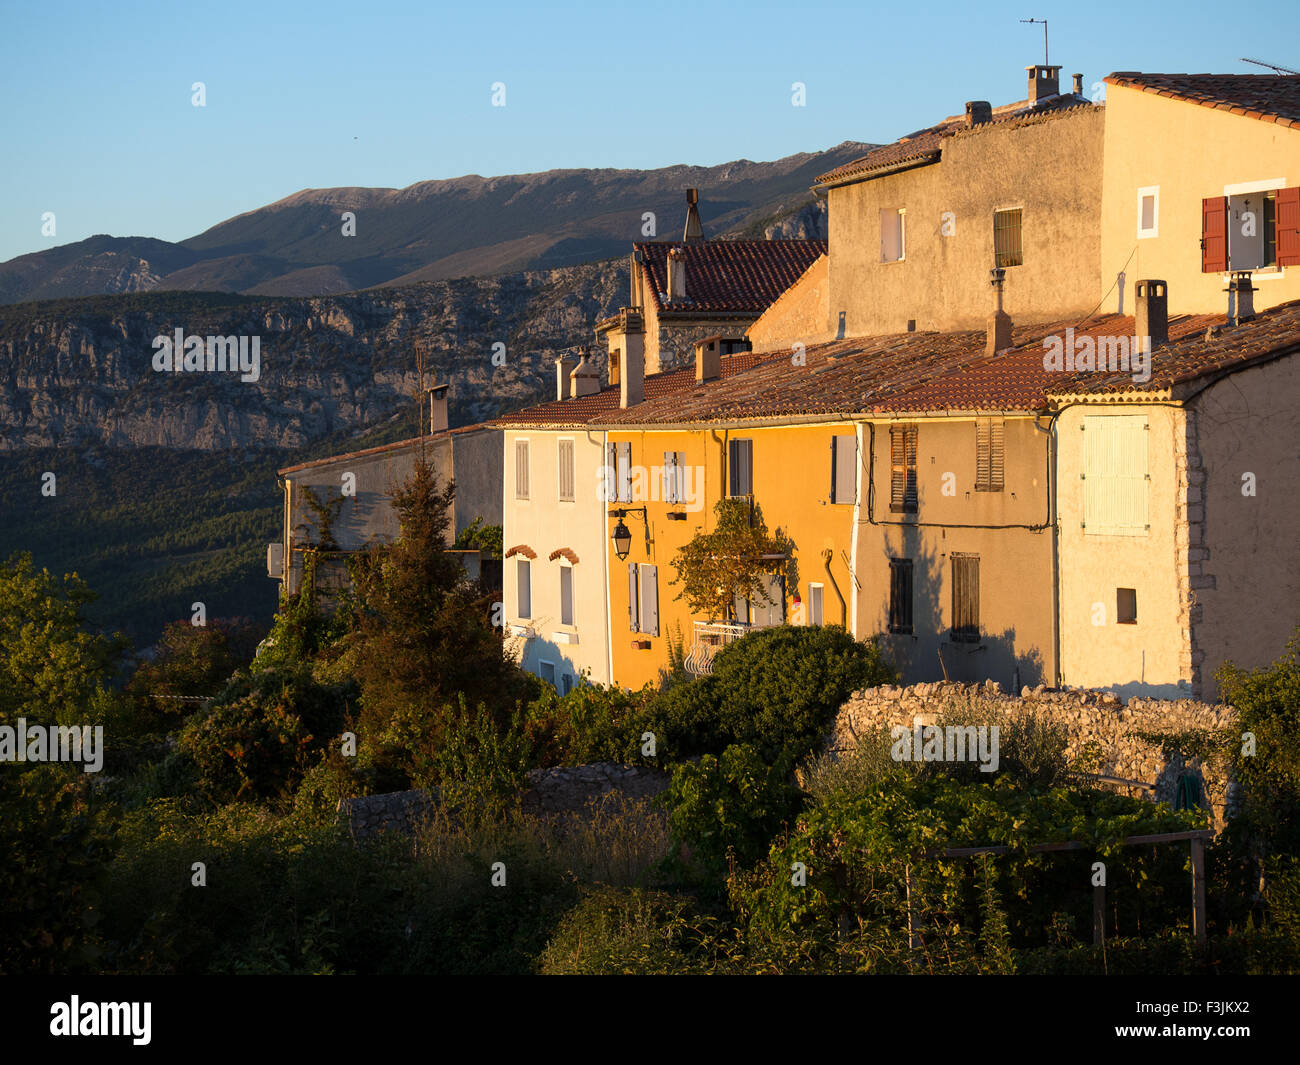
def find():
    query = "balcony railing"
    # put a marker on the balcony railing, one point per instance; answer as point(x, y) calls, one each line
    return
point(710, 638)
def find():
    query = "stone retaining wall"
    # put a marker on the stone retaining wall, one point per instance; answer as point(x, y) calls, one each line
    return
point(1090, 717)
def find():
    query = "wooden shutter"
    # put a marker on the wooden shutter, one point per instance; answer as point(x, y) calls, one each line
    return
point(902, 452)
point(965, 597)
point(633, 614)
point(1287, 210)
point(814, 604)
point(671, 494)
point(1115, 486)
point(764, 614)
point(566, 595)
point(611, 478)
point(844, 469)
point(900, 595)
point(521, 469)
point(625, 472)
point(565, 458)
point(989, 454)
point(740, 473)
point(650, 600)
point(1214, 235)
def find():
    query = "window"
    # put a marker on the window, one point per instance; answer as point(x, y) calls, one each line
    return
point(900, 595)
point(1149, 212)
point(1115, 479)
point(521, 469)
point(740, 467)
point(902, 460)
point(548, 672)
point(965, 598)
point(1254, 226)
point(988, 454)
point(815, 608)
point(564, 460)
point(674, 476)
point(566, 595)
point(525, 585)
point(1006, 238)
point(758, 611)
point(618, 473)
point(891, 235)
point(844, 469)
point(1126, 606)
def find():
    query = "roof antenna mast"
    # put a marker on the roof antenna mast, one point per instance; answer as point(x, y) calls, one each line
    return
point(1271, 66)
point(1044, 22)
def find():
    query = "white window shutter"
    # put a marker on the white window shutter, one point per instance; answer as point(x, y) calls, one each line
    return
point(650, 600)
point(632, 598)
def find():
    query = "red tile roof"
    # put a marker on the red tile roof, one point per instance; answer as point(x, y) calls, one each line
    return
point(926, 145)
point(398, 445)
point(918, 373)
point(667, 387)
point(728, 276)
point(1268, 97)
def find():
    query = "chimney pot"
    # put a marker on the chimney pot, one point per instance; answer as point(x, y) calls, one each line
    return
point(708, 360)
point(631, 382)
point(1151, 312)
point(564, 367)
point(978, 112)
point(1078, 84)
point(999, 323)
point(585, 379)
point(1241, 298)
point(694, 230)
point(1044, 81)
point(677, 274)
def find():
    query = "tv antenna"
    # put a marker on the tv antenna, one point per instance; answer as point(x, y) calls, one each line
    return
point(1271, 66)
point(1044, 22)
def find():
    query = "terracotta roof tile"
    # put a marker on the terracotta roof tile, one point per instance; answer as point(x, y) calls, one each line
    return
point(722, 276)
point(1268, 97)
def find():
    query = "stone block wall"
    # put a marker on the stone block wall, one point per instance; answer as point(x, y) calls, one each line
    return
point(1089, 717)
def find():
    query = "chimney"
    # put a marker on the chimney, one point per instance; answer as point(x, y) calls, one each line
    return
point(637, 260)
point(585, 379)
point(1241, 299)
point(999, 325)
point(708, 360)
point(1151, 313)
point(694, 231)
point(978, 112)
point(1044, 81)
point(438, 408)
point(1078, 84)
point(631, 382)
point(564, 367)
point(677, 274)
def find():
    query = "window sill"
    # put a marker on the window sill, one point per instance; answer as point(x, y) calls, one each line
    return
point(569, 636)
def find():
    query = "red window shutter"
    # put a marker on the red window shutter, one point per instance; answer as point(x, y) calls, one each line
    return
point(1214, 235)
point(1287, 203)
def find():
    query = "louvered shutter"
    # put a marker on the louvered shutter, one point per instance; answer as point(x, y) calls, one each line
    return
point(988, 455)
point(997, 454)
point(521, 469)
point(625, 473)
point(650, 600)
point(898, 467)
point(1214, 235)
point(1287, 204)
point(670, 477)
point(844, 462)
point(565, 458)
point(1115, 475)
point(632, 598)
point(611, 478)
point(525, 588)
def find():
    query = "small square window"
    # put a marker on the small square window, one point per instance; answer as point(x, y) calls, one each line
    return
point(1007, 249)
point(1126, 606)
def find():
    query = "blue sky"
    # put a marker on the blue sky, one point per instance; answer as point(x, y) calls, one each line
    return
point(99, 128)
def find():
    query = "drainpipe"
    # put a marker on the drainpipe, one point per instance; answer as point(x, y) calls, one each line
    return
point(827, 555)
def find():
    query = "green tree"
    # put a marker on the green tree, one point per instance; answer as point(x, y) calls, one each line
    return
point(730, 561)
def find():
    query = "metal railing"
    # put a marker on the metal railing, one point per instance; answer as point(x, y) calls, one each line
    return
point(710, 638)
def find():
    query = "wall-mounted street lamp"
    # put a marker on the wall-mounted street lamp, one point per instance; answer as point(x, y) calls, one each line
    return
point(622, 536)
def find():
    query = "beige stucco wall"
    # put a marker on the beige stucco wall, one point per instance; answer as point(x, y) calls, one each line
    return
point(1051, 168)
point(801, 313)
point(1016, 570)
point(1249, 571)
point(546, 524)
point(1191, 153)
point(1151, 657)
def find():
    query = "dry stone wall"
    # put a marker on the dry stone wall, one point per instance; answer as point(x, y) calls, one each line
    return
point(1096, 722)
